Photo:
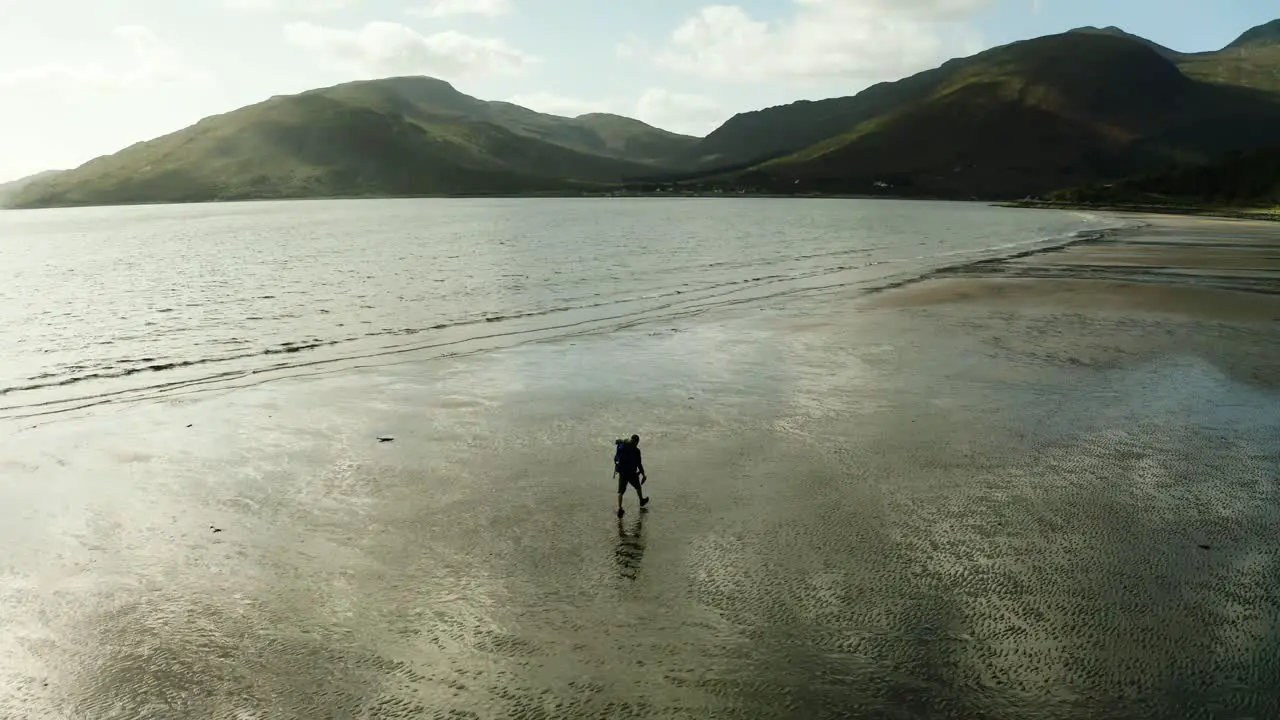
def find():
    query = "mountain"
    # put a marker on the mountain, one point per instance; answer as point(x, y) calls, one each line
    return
point(630, 139)
point(1266, 34)
point(775, 131)
point(599, 134)
point(1249, 179)
point(1252, 60)
point(13, 187)
point(1025, 118)
point(1074, 109)
point(1114, 31)
point(399, 136)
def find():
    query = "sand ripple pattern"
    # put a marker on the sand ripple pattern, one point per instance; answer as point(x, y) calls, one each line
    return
point(946, 511)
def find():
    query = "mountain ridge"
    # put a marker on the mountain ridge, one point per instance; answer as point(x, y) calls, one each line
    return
point(13, 187)
point(1112, 30)
point(952, 131)
point(1033, 116)
point(396, 136)
point(768, 131)
point(1264, 34)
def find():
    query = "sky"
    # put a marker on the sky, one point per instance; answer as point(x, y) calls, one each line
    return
point(82, 78)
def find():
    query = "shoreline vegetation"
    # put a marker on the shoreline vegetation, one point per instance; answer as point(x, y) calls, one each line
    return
point(1264, 214)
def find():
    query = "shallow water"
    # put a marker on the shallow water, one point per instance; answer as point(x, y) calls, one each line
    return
point(886, 515)
point(944, 511)
point(98, 303)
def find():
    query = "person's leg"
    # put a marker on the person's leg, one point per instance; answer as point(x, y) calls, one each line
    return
point(622, 489)
point(635, 483)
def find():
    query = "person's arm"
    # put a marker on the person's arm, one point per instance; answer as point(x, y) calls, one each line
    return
point(640, 463)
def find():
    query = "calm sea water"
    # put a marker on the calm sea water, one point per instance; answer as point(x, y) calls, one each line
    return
point(103, 304)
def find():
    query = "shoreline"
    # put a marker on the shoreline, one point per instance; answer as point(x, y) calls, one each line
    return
point(36, 402)
point(510, 196)
point(937, 495)
point(1203, 268)
point(550, 194)
point(1259, 214)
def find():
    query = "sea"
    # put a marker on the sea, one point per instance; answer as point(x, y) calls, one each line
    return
point(351, 459)
point(117, 304)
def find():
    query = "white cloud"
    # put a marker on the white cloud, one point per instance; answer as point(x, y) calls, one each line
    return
point(151, 63)
point(678, 112)
point(381, 49)
point(822, 40)
point(306, 7)
point(446, 8)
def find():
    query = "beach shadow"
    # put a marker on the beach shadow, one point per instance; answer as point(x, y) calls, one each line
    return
point(630, 548)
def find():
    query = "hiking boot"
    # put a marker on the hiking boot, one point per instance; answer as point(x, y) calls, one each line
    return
point(644, 501)
point(621, 512)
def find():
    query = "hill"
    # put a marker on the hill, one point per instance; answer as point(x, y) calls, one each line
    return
point(1069, 110)
point(400, 136)
point(598, 134)
point(1248, 179)
point(1114, 31)
point(13, 187)
point(769, 133)
point(1265, 34)
point(1025, 118)
point(1252, 60)
point(630, 139)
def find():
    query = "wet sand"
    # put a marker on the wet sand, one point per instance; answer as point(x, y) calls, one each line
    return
point(1037, 488)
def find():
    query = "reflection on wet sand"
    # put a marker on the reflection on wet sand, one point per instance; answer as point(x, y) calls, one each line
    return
point(976, 497)
point(630, 547)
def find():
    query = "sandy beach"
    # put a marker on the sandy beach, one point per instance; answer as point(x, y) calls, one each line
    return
point(1040, 487)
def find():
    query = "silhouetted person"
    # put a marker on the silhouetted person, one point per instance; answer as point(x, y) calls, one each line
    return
point(629, 467)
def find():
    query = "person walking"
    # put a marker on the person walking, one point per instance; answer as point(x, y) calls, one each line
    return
point(628, 465)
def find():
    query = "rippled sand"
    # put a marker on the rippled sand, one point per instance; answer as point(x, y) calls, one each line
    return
point(1044, 488)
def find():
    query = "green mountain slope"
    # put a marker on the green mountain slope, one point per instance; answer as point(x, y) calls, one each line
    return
point(13, 187)
point(428, 98)
point(1252, 60)
point(1114, 31)
point(628, 138)
point(404, 136)
point(768, 133)
point(1116, 59)
point(1265, 34)
point(1250, 179)
point(1025, 118)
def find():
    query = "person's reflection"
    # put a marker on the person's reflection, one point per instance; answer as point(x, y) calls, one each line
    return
point(630, 548)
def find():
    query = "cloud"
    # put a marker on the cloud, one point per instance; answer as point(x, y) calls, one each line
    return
point(446, 8)
point(678, 112)
point(151, 63)
point(306, 7)
point(381, 49)
point(822, 40)
point(681, 112)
